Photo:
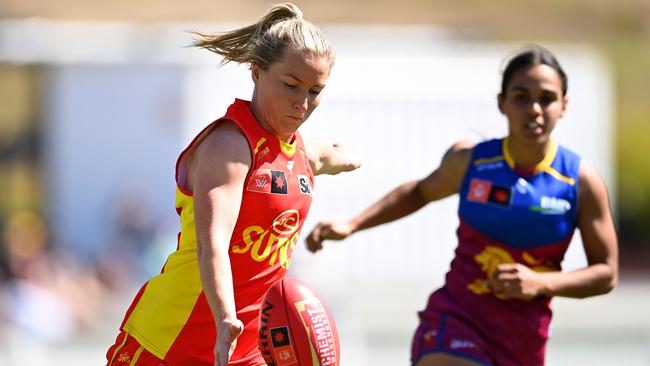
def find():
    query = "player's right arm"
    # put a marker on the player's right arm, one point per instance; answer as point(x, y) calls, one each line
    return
point(403, 200)
point(217, 173)
point(330, 158)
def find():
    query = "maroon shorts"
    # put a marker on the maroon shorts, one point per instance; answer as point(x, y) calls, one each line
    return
point(443, 333)
point(127, 351)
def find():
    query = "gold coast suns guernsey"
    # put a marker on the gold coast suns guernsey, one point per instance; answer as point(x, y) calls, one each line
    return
point(170, 316)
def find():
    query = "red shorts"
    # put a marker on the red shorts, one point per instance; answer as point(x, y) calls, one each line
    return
point(443, 333)
point(128, 352)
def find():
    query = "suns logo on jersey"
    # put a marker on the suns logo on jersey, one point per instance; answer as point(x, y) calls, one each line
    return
point(274, 243)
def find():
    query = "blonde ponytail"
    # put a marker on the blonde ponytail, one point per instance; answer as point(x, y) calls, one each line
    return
point(264, 42)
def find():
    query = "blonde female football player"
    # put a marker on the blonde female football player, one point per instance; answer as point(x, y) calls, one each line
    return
point(243, 192)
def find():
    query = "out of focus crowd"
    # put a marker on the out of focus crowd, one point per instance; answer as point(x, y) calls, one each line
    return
point(50, 294)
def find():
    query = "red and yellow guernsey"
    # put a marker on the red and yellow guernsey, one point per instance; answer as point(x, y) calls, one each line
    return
point(170, 316)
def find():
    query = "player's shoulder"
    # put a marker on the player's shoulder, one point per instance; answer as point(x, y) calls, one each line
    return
point(562, 149)
point(225, 136)
point(589, 180)
point(460, 152)
point(462, 146)
point(221, 145)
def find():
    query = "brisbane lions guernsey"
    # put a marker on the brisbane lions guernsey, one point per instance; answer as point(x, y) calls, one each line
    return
point(506, 217)
point(170, 316)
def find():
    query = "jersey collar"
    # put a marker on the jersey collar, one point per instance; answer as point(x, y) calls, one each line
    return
point(543, 165)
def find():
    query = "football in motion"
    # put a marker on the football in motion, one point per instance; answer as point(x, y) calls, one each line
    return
point(295, 327)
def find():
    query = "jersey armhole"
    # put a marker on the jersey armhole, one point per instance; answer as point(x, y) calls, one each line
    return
point(185, 158)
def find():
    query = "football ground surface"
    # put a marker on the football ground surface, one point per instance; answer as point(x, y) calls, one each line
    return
point(607, 330)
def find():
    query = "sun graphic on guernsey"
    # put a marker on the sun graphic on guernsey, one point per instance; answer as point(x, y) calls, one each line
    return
point(279, 182)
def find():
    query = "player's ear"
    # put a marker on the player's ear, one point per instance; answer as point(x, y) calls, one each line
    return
point(565, 103)
point(256, 71)
point(500, 102)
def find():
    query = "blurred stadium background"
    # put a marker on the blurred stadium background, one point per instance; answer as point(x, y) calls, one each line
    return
point(97, 99)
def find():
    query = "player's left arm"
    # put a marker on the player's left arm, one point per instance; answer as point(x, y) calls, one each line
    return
point(329, 158)
point(599, 240)
point(600, 244)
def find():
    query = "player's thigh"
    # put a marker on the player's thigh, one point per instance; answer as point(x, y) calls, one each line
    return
point(443, 359)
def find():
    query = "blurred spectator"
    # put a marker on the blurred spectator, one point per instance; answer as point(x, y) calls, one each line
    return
point(132, 230)
point(47, 296)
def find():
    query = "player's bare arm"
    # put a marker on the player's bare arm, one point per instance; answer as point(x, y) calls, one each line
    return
point(599, 240)
point(601, 248)
point(330, 158)
point(448, 177)
point(402, 201)
point(217, 175)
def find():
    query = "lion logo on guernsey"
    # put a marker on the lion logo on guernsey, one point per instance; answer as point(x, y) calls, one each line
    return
point(274, 243)
point(491, 257)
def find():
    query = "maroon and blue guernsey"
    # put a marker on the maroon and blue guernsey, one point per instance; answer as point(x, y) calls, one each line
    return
point(505, 217)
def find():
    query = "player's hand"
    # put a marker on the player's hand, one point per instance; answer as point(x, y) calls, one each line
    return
point(515, 281)
point(345, 160)
point(332, 159)
point(327, 230)
point(227, 332)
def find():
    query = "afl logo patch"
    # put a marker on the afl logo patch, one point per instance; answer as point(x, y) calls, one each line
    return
point(268, 181)
point(484, 191)
point(479, 190)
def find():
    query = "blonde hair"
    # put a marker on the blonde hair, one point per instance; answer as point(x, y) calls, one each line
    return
point(265, 41)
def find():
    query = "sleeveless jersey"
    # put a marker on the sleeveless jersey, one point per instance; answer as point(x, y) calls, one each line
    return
point(170, 316)
point(509, 218)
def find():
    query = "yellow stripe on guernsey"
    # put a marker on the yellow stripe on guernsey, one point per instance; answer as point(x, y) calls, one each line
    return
point(488, 160)
point(180, 276)
point(259, 143)
point(542, 166)
point(288, 148)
